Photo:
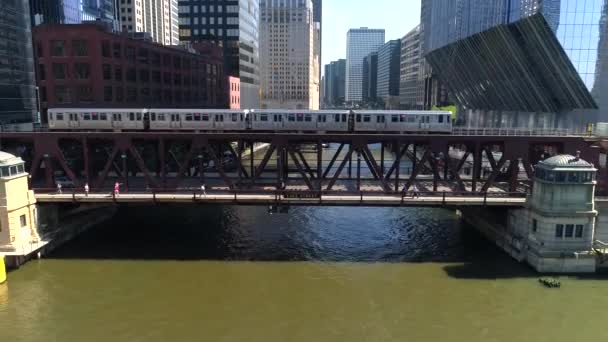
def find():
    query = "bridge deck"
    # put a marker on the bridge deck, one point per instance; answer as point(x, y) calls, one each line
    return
point(275, 199)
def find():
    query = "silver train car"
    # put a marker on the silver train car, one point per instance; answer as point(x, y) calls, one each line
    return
point(226, 120)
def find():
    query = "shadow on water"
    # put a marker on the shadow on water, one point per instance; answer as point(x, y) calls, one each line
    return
point(319, 234)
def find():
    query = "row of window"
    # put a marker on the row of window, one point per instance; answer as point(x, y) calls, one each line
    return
point(84, 93)
point(9, 171)
point(569, 231)
point(564, 177)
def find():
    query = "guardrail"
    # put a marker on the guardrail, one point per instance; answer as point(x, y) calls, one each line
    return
point(519, 132)
point(281, 195)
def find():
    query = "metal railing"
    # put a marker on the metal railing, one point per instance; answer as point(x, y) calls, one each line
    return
point(519, 132)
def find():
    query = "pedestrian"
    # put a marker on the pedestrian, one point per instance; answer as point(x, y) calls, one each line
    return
point(415, 192)
point(203, 191)
point(116, 189)
point(86, 189)
point(59, 188)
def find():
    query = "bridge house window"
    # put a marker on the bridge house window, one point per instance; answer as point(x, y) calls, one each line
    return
point(22, 220)
point(570, 231)
point(559, 231)
point(579, 231)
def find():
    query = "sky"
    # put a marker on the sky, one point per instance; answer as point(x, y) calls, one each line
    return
point(397, 17)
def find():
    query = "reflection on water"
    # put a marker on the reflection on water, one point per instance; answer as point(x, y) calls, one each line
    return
point(198, 273)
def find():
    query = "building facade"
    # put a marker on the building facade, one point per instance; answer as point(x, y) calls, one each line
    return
point(104, 10)
point(87, 66)
point(369, 84)
point(158, 18)
point(335, 81)
point(411, 84)
point(389, 63)
point(569, 34)
point(232, 24)
point(359, 43)
point(317, 6)
point(55, 12)
point(288, 55)
point(17, 80)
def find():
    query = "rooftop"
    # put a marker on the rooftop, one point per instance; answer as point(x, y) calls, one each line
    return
point(9, 159)
point(565, 161)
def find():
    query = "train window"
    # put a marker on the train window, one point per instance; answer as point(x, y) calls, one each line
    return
point(440, 118)
point(103, 116)
point(394, 118)
point(59, 117)
point(300, 117)
point(343, 117)
point(160, 117)
point(50, 116)
point(263, 117)
point(86, 116)
point(153, 117)
point(275, 117)
point(337, 118)
point(235, 117)
point(367, 118)
point(308, 117)
point(291, 117)
point(402, 118)
point(380, 119)
point(188, 117)
point(448, 119)
point(131, 116)
point(358, 117)
point(322, 118)
point(411, 119)
point(205, 117)
point(138, 116)
point(94, 116)
point(197, 117)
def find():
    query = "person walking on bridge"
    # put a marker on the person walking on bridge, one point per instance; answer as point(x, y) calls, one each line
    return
point(415, 192)
point(116, 189)
point(59, 188)
point(203, 191)
point(86, 189)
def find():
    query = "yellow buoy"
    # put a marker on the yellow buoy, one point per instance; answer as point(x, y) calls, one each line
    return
point(2, 270)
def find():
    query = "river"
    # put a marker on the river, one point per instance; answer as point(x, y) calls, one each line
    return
point(195, 273)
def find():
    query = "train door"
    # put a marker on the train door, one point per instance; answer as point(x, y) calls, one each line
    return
point(73, 120)
point(219, 120)
point(117, 120)
point(277, 121)
point(351, 121)
point(146, 121)
point(176, 121)
point(248, 120)
point(424, 122)
point(380, 122)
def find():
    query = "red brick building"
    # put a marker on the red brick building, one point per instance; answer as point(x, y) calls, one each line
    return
point(234, 92)
point(86, 66)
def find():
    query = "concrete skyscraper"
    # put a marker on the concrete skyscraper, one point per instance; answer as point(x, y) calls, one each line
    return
point(289, 55)
point(359, 43)
point(156, 17)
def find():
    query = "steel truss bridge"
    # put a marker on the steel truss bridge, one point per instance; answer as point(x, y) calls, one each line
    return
point(293, 168)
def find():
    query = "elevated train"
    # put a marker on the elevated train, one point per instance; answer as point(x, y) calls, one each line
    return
point(226, 120)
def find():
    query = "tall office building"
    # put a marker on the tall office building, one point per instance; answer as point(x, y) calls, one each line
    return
point(522, 63)
point(289, 66)
point(335, 80)
point(389, 61)
point(359, 43)
point(410, 75)
point(17, 82)
point(317, 6)
point(55, 12)
point(232, 24)
point(369, 75)
point(158, 18)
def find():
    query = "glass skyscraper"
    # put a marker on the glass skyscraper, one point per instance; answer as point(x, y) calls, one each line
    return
point(359, 43)
point(530, 62)
point(17, 82)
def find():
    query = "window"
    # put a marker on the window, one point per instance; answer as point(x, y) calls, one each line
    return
point(82, 71)
point(235, 117)
point(116, 50)
point(569, 230)
point(22, 220)
point(131, 75)
point(57, 48)
point(105, 48)
point(337, 118)
point(308, 117)
point(85, 93)
point(559, 231)
point(440, 118)
point(59, 116)
point(107, 71)
point(62, 94)
point(263, 117)
point(41, 72)
point(534, 225)
point(59, 71)
point(367, 118)
point(80, 48)
point(358, 117)
point(107, 94)
point(117, 73)
point(579, 231)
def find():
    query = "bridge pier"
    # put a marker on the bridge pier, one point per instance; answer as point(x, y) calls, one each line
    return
point(556, 231)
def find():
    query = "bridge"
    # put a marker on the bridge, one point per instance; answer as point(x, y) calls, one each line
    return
point(551, 218)
point(294, 168)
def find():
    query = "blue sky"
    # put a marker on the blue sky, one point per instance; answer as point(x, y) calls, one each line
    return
point(397, 17)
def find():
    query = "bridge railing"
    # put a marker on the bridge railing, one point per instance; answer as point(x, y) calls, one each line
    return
point(281, 195)
point(520, 132)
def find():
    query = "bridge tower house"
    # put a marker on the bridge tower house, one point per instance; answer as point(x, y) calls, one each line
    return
point(558, 224)
point(18, 216)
